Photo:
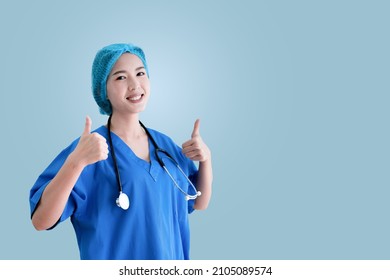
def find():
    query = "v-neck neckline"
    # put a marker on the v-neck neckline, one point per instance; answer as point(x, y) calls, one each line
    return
point(152, 166)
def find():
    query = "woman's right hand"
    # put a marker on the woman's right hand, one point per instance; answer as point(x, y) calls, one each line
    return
point(92, 147)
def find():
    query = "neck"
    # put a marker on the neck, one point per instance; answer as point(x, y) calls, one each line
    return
point(127, 127)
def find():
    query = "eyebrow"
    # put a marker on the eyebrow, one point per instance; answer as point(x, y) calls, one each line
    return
point(124, 71)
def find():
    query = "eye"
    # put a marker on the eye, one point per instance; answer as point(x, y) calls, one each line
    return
point(141, 73)
point(119, 78)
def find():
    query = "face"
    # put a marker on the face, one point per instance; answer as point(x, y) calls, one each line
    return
point(128, 86)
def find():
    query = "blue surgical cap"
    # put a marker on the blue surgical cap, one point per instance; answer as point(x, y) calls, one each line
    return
point(102, 65)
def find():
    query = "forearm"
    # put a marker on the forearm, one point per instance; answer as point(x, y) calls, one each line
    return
point(56, 194)
point(204, 184)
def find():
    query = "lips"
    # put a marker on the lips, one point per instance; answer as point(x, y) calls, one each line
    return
point(135, 98)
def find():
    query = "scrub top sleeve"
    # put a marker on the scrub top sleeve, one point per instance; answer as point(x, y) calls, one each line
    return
point(45, 178)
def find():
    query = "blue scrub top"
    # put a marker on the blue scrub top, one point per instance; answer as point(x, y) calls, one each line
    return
point(156, 224)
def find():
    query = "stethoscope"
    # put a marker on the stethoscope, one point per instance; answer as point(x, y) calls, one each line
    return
point(123, 200)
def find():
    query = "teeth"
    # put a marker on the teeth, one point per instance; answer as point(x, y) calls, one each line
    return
point(135, 98)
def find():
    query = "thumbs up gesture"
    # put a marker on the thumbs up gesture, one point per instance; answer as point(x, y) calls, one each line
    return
point(92, 147)
point(195, 148)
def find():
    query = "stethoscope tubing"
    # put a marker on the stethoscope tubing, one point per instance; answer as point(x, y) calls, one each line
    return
point(160, 161)
point(118, 178)
point(188, 196)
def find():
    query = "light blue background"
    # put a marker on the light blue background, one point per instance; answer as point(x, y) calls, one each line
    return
point(293, 98)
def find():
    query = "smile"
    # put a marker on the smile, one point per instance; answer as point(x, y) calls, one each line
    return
point(135, 98)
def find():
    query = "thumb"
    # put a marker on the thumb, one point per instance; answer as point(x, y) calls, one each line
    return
point(195, 132)
point(88, 124)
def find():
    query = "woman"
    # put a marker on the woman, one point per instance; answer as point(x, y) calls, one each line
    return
point(84, 180)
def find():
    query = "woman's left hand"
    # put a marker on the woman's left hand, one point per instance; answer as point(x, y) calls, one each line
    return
point(195, 148)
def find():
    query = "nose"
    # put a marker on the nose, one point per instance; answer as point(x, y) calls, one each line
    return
point(133, 84)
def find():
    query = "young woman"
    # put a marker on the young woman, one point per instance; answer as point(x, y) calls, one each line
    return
point(124, 186)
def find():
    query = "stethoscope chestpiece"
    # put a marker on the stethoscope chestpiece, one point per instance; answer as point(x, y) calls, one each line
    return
point(123, 201)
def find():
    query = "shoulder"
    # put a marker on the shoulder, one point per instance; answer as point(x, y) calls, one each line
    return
point(160, 137)
point(102, 130)
point(165, 142)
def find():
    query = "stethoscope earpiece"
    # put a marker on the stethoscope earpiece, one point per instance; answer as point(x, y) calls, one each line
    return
point(123, 201)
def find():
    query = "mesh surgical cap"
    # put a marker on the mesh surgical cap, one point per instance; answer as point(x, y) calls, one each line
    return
point(102, 65)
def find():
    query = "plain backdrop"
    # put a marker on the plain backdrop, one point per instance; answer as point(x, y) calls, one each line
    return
point(293, 98)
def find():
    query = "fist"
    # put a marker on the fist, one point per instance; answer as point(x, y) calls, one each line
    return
point(195, 148)
point(92, 147)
